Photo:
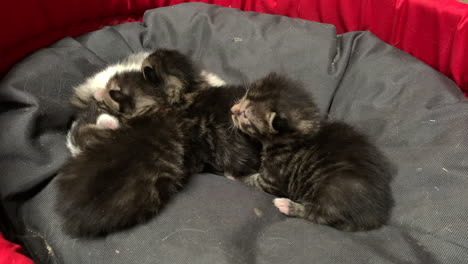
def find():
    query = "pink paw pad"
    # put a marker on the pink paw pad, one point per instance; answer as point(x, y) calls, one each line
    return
point(107, 122)
point(282, 204)
point(229, 176)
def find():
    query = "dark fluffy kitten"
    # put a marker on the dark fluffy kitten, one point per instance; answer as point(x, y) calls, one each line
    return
point(327, 171)
point(126, 94)
point(125, 168)
point(204, 112)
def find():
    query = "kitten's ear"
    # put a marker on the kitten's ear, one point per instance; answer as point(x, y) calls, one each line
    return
point(150, 75)
point(277, 123)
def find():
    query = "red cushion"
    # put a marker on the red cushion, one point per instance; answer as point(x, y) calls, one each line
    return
point(11, 253)
point(436, 32)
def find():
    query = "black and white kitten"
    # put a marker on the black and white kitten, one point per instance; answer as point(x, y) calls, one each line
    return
point(327, 172)
point(86, 91)
point(96, 88)
point(125, 169)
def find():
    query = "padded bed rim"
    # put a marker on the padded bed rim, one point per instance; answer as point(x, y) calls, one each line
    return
point(435, 32)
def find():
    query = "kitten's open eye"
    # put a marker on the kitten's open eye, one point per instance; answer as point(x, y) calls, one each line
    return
point(150, 75)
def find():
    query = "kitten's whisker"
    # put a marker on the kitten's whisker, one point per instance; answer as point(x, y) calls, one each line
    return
point(245, 82)
point(232, 129)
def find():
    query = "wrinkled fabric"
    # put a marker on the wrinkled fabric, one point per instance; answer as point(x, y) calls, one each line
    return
point(417, 116)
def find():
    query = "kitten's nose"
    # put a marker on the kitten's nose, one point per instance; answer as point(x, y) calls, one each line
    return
point(235, 110)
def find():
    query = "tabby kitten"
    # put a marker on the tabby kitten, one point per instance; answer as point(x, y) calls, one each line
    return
point(126, 168)
point(327, 171)
point(204, 112)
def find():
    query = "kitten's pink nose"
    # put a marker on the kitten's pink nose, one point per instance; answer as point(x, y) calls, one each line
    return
point(235, 110)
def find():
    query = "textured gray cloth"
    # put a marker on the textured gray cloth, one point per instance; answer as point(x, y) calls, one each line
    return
point(415, 114)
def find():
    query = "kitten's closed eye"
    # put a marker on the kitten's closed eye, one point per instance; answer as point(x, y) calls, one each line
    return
point(278, 124)
point(150, 75)
point(125, 102)
point(116, 95)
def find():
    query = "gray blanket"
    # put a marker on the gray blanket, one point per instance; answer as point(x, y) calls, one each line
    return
point(416, 115)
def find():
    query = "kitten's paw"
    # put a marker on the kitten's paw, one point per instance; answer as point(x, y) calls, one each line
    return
point(106, 121)
point(99, 94)
point(213, 79)
point(282, 204)
point(229, 176)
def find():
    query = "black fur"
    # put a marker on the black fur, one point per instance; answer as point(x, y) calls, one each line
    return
point(205, 113)
point(214, 139)
point(121, 177)
point(129, 94)
point(117, 179)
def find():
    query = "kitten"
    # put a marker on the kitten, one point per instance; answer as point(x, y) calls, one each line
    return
point(96, 88)
point(204, 112)
point(126, 168)
point(103, 102)
point(327, 171)
point(86, 92)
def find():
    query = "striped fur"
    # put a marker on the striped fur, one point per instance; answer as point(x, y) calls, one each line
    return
point(328, 172)
point(204, 111)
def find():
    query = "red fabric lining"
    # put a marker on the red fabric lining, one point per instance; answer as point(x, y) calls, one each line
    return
point(11, 253)
point(436, 32)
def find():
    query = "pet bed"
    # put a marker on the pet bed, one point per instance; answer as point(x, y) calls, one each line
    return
point(416, 115)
